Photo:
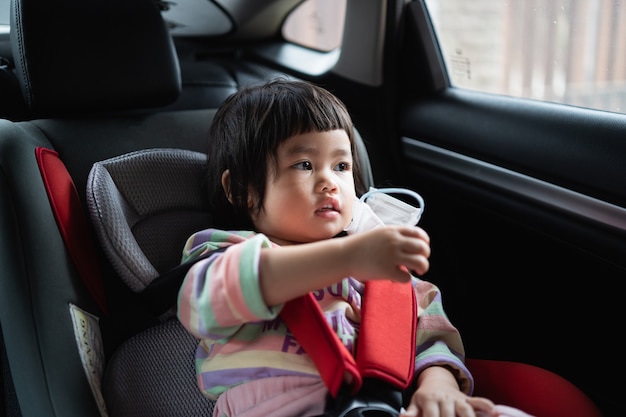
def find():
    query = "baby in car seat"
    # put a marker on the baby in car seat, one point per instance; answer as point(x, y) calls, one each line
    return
point(283, 175)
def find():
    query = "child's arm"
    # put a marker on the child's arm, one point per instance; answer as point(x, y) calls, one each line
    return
point(386, 252)
point(220, 293)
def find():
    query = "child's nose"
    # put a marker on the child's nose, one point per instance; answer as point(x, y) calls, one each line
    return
point(326, 182)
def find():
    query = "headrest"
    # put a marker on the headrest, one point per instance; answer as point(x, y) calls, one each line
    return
point(144, 205)
point(76, 56)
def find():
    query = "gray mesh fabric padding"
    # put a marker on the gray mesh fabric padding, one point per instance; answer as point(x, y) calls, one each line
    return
point(144, 205)
point(163, 380)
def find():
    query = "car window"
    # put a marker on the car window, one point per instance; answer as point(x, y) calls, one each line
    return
point(4, 16)
point(316, 24)
point(563, 51)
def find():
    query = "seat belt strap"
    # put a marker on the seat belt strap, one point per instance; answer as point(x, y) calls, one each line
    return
point(305, 319)
point(162, 293)
point(385, 346)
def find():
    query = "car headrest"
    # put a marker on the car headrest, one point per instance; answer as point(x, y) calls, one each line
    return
point(74, 56)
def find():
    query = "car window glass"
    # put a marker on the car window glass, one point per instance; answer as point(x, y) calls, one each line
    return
point(316, 24)
point(564, 51)
point(4, 15)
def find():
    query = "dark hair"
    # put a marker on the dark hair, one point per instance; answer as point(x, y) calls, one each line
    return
point(247, 131)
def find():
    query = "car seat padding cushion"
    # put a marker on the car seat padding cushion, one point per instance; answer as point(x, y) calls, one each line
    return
point(152, 374)
point(144, 205)
point(72, 222)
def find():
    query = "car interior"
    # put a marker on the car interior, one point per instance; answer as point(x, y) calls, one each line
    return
point(103, 129)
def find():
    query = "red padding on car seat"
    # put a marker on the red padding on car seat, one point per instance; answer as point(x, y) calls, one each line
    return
point(535, 390)
point(72, 222)
point(305, 319)
point(386, 344)
point(384, 351)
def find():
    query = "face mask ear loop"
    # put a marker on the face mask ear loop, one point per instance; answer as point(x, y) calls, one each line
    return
point(354, 209)
point(411, 193)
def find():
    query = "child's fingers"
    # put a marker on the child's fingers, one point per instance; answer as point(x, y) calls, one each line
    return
point(401, 274)
point(482, 404)
point(416, 232)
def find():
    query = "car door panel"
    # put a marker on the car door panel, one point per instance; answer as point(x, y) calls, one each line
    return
point(525, 203)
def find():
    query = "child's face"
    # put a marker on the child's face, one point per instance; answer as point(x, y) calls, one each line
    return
point(310, 193)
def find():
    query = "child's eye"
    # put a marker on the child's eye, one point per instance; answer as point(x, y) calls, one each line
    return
point(304, 165)
point(342, 166)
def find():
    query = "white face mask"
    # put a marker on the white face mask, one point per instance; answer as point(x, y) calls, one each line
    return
point(377, 207)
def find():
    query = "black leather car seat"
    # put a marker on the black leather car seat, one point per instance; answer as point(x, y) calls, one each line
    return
point(92, 91)
point(74, 57)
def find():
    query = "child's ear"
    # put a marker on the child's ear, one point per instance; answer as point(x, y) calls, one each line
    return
point(226, 185)
point(228, 192)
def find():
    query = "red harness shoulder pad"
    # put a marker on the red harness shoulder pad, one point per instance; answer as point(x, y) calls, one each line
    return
point(385, 346)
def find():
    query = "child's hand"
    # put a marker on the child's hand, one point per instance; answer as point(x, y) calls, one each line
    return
point(473, 407)
point(388, 252)
point(438, 395)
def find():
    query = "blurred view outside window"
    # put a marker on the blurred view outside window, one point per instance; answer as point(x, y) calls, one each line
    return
point(317, 24)
point(564, 51)
point(4, 15)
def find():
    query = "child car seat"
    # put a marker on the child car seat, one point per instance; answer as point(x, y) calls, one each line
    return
point(144, 205)
point(121, 187)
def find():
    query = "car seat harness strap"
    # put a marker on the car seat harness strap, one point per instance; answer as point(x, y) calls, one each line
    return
point(385, 346)
point(385, 351)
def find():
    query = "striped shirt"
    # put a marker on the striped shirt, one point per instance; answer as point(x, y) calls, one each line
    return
point(242, 339)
